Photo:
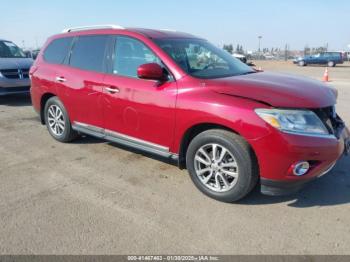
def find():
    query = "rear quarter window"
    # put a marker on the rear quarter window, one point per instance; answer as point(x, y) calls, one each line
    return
point(89, 53)
point(57, 50)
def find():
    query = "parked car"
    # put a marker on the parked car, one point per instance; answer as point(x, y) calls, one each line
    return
point(31, 53)
point(231, 126)
point(241, 57)
point(328, 58)
point(14, 69)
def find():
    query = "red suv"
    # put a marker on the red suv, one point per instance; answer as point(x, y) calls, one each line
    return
point(178, 96)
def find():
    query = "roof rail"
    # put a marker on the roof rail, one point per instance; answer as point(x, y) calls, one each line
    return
point(82, 28)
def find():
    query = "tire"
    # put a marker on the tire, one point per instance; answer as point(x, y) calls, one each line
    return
point(331, 64)
point(239, 156)
point(301, 63)
point(57, 121)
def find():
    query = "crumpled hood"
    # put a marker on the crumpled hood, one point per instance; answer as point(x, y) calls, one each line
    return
point(278, 90)
point(15, 63)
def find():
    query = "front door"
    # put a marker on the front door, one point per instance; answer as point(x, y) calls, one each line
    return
point(138, 110)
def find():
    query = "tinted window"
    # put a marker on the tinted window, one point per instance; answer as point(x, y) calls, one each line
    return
point(130, 54)
point(88, 53)
point(57, 50)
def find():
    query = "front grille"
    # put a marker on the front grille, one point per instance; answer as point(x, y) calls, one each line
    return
point(15, 73)
point(331, 120)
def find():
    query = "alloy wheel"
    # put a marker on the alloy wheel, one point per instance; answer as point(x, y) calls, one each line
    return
point(56, 120)
point(216, 167)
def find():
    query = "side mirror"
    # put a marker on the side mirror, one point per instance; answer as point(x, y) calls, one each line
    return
point(151, 71)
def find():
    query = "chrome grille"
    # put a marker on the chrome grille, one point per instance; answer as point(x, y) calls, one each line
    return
point(15, 73)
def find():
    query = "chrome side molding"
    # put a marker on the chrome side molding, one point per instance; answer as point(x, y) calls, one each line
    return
point(125, 140)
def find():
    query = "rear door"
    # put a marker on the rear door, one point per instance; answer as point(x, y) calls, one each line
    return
point(84, 80)
point(143, 110)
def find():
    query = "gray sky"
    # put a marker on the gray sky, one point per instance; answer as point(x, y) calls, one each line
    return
point(298, 23)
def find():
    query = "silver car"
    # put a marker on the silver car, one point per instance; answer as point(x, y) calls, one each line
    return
point(14, 69)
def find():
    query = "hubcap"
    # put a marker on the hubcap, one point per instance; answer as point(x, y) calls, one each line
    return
point(56, 120)
point(216, 167)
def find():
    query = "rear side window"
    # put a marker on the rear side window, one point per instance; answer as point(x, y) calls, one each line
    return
point(57, 50)
point(89, 52)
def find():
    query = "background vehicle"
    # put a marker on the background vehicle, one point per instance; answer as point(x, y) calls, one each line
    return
point(31, 53)
point(14, 69)
point(328, 58)
point(178, 96)
point(241, 57)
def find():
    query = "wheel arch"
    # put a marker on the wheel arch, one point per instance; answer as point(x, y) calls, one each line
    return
point(43, 101)
point(192, 132)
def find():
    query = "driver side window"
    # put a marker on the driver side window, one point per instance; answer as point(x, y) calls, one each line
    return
point(130, 54)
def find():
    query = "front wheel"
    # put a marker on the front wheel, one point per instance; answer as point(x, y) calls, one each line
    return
point(302, 63)
point(57, 121)
point(222, 165)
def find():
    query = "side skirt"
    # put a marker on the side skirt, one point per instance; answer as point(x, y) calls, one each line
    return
point(125, 140)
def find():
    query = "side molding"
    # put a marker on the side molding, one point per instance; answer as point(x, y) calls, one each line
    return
point(124, 140)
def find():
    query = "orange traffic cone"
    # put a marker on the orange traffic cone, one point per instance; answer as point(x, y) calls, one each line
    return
point(326, 75)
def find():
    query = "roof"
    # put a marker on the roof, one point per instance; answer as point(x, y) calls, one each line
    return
point(160, 33)
point(150, 33)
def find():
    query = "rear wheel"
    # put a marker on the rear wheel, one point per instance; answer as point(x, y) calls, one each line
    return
point(57, 121)
point(222, 165)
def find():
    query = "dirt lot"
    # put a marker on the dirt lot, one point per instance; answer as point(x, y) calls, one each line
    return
point(94, 197)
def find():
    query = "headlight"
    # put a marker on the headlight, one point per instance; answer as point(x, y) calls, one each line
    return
point(303, 122)
point(1, 75)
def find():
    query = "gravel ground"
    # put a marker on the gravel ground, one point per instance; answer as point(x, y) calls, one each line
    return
point(93, 197)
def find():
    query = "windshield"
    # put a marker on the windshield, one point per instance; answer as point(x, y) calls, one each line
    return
point(10, 50)
point(201, 59)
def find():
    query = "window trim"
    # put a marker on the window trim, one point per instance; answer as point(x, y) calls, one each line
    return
point(112, 56)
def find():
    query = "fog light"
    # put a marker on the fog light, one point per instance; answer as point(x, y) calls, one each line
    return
point(301, 168)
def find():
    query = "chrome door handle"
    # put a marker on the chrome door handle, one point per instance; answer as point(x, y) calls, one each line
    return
point(112, 90)
point(60, 79)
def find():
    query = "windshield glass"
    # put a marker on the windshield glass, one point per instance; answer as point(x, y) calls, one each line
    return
point(201, 59)
point(10, 50)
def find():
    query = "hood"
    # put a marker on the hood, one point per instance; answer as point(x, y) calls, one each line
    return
point(15, 63)
point(278, 90)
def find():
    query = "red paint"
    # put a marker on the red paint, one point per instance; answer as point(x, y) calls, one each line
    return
point(162, 112)
point(150, 71)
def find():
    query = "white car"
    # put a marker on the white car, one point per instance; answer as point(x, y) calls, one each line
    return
point(241, 57)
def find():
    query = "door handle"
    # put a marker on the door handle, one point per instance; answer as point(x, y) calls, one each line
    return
point(60, 79)
point(112, 90)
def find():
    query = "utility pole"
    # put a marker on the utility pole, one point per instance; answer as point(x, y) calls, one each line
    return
point(286, 53)
point(259, 51)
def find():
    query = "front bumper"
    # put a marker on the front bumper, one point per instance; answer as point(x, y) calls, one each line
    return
point(282, 188)
point(14, 86)
point(278, 152)
point(14, 90)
